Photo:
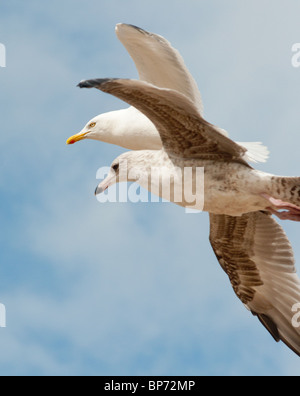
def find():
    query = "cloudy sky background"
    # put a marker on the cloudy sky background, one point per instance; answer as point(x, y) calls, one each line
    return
point(130, 289)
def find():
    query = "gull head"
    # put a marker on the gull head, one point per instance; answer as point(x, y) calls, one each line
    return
point(93, 130)
point(132, 166)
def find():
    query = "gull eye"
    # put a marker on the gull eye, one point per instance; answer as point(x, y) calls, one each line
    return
point(92, 124)
point(115, 167)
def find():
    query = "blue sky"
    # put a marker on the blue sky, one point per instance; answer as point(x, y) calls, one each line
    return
point(130, 289)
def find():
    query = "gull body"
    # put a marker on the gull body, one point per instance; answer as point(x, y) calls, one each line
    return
point(229, 188)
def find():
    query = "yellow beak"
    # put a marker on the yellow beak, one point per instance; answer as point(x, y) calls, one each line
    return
point(76, 138)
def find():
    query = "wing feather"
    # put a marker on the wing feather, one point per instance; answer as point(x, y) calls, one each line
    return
point(257, 256)
point(158, 62)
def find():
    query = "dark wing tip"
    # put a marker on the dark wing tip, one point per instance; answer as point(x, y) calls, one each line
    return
point(135, 27)
point(95, 83)
point(139, 29)
point(269, 325)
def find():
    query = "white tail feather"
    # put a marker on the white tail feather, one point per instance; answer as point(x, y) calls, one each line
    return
point(256, 151)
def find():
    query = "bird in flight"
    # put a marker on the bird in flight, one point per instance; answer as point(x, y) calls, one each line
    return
point(250, 245)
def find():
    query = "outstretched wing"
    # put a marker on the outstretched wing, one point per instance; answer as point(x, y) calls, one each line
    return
point(258, 258)
point(184, 133)
point(158, 63)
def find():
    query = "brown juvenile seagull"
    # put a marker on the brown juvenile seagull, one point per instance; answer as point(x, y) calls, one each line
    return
point(250, 245)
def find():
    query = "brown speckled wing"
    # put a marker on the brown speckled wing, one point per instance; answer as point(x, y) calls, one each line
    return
point(232, 239)
point(257, 256)
point(183, 131)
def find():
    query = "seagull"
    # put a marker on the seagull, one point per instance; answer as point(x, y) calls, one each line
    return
point(250, 245)
point(160, 64)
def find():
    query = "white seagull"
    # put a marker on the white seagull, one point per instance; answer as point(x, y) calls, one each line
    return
point(250, 245)
point(159, 64)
